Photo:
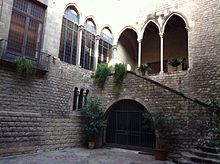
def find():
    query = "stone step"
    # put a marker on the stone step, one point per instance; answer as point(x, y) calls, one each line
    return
point(197, 159)
point(205, 154)
point(182, 161)
point(209, 149)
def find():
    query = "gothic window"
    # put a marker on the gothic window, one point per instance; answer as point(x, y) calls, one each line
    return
point(79, 98)
point(105, 47)
point(88, 46)
point(69, 36)
point(26, 28)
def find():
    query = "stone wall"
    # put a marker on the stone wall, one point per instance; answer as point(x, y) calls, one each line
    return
point(36, 114)
point(202, 81)
point(188, 119)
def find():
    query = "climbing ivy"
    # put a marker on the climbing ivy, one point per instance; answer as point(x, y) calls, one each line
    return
point(101, 74)
point(118, 76)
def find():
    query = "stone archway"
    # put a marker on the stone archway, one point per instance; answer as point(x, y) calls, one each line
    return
point(127, 128)
point(127, 48)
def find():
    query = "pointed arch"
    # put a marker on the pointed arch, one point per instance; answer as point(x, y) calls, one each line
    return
point(145, 26)
point(74, 7)
point(150, 52)
point(125, 28)
point(69, 34)
point(105, 45)
point(93, 20)
point(175, 36)
point(127, 47)
point(108, 27)
point(171, 15)
point(87, 56)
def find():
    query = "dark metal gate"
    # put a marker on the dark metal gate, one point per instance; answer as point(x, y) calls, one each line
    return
point(127, 128)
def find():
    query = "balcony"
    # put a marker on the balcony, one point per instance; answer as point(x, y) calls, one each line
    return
point(39, 59)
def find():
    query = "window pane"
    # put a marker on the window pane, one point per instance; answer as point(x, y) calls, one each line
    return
point(21, 5)
point(37, 11)
point(25, 28)
point(16, 32)
point(68, 42)
point(63, 31)
point(105, 52)
point(32, 38)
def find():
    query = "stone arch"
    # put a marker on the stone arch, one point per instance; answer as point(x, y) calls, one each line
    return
point(87, 56)
point(108, 27)
point(75, 8)
point(175, 36)
point(150, 52)
point(69, 34)
point(105, 46)
point(145, 25)
point(127, 48)
point(172, 14)
point(123, 98)
point(128, 128)
point(93, 20)
point(119, 34)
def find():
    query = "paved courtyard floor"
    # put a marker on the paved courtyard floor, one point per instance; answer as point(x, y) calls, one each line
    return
point(84, 156)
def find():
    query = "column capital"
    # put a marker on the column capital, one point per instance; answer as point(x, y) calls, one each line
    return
point(161, 34)
point(84, 93)
point(97, 37)
point(81, 27)
point(139, 40)
point(77, 92)
point(114, 46)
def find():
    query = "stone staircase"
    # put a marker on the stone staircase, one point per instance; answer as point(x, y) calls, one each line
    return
point(203, 155)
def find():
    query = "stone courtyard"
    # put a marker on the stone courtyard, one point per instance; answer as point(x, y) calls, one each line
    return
point(63, 43)
point(84, 156)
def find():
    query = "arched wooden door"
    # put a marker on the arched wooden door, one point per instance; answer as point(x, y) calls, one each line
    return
point(128, 128)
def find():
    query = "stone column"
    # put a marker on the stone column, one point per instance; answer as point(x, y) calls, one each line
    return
point(139, 52)
point(96, 51)
point(114, 48)
point(84, 98)
point(79, 45)
point(161, 53)
point(77, 99)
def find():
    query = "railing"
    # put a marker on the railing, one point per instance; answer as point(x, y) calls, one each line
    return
point(39, 59)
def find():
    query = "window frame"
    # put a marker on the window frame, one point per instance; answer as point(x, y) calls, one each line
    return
point(28, 17)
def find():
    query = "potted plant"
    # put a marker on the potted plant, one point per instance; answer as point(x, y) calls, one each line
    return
point(94, 121)
point(160, 124)
point(143, 68)
point(175, 62)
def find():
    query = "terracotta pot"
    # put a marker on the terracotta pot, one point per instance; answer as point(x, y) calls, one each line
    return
point(160, 154)
point(91, 145)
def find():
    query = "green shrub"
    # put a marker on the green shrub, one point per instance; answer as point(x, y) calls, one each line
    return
point(101, 74)
point(118, 76)
point(24, 67)
point(94, 121)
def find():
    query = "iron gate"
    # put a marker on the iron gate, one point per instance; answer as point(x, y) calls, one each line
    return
point(127, 128)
